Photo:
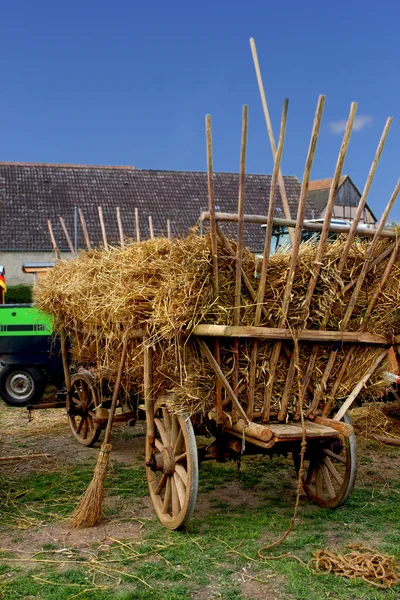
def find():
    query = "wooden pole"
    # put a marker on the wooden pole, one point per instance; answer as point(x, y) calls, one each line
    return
point(282, 190)
point(169, 234)
point(103, 229)
point(84, 228)
point(265, 260)
point(151, 228)
point(137, 230)
point(121, 231)
point(239, 253)
point(351, 234)
point(69, 242)
point(345, 321)
point(214, 251)
point(294, 251)
point(316, 267)
point(53, 240)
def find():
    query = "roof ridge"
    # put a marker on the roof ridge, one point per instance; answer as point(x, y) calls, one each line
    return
point(71, 166)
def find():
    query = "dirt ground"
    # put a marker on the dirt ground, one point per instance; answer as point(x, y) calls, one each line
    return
point(47, 433)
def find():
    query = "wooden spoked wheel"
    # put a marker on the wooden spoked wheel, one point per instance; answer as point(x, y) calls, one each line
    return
point(330, 470)
point(81, 404)
point(172, 468)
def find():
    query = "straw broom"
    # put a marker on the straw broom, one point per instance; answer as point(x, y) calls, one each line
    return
point(89, 510)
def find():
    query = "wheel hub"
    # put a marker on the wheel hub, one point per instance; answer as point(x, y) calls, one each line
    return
point(19, 385)
point(163, 461)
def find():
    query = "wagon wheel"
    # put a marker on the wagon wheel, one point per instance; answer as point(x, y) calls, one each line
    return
point(172, 468)
point(81, 404)
point(330, 469)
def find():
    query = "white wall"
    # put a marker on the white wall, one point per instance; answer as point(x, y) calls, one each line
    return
point(13, 261)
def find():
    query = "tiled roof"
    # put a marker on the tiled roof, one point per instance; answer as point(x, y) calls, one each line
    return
point(323, 184)
point(32, 193)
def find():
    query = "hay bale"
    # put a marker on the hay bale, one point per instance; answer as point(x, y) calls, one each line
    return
point(165, 286)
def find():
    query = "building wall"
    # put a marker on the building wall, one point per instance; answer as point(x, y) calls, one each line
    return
point(13, 261)
point(346, 203)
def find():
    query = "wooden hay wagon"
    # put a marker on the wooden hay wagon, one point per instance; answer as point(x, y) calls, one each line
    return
point(283, 378)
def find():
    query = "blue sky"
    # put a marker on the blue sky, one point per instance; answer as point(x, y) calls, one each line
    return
point(126, 82)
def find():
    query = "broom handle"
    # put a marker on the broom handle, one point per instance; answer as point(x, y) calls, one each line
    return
point(117, 387)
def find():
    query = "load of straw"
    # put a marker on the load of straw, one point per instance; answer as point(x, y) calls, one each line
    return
point(165, 287)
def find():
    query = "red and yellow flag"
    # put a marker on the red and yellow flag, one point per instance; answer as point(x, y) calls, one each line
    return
point(3, 282)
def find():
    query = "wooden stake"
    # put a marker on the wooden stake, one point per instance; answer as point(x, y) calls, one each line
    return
point(137, 225)
point(282, 189)
point(316, 267)
point(53, 240)
point(148, 387)
point(84, 228)
point(239, 254)
point(267, 250)
point(121, 232)
point(169, 234)
point(351, 234)
point(103, 229)
point(294, 251)
point(151, 228)
point(69, 242)
point(321, 389)
point(214, 251)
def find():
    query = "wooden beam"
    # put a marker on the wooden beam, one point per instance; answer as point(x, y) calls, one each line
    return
point(280, 333)
point(312, 226)
point(53, 240)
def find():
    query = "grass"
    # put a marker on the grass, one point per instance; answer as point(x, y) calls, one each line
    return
point(216, 557)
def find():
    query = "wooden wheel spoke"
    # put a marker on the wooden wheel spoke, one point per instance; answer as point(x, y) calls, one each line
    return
point(318, 481)
point(335, 456)
point(161, 484)
point(180, 488)
point(311, 469)
point(174, 430)
point(167, 424)
point(179, 443)
point(175, 498)
point(78, 429)
point(85, 428)
point(180, 457)
point(161, 431)
point(332, 470)
point(167, 497)
point(182, 473)
point(328, 482)
point(158, 445)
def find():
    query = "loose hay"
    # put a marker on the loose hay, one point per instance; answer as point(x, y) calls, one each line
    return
point(166, 288)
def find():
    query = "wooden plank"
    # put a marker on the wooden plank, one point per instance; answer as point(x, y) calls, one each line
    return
point(278, 333)
point(222, 379)
point(293, 431)
point(84, 229)
point(344, 428)
point(282, 189)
